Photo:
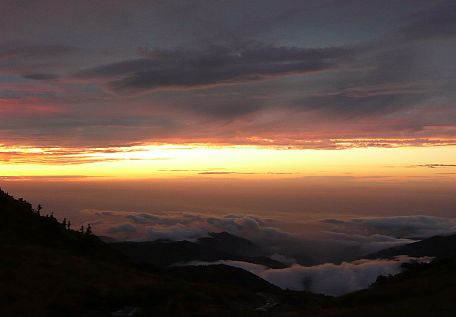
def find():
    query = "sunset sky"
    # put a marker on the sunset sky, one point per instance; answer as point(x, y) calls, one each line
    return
point(338, 94)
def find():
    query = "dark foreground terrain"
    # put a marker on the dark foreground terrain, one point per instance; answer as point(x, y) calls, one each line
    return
point(48, 269)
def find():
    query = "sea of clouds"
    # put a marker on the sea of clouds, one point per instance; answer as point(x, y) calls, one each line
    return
point(315, 242)
point(324, 256)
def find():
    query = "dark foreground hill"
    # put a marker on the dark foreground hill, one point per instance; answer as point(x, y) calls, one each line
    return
point(422, 290)
point(223, 274)
point(22, 225)
point(48, 270)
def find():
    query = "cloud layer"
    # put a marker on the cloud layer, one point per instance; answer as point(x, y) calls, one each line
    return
point(329, 279)
point(399, 226)
point(298, 73)
point(213, 66)
point(328, 240)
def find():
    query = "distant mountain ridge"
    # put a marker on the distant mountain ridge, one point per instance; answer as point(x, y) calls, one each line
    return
point(437, 246)
point(217, 246)
point(224, 241)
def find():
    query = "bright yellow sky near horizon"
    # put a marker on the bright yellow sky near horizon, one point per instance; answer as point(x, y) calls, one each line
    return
point(171, 161)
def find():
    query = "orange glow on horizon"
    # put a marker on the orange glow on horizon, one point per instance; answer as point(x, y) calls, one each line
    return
point(174, 160)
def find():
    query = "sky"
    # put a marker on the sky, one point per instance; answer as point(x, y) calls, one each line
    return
point(287, 109)
point(79, 75)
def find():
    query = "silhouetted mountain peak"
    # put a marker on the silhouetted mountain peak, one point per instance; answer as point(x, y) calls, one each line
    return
point(227, 242)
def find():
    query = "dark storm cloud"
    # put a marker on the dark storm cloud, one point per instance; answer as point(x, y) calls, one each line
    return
point(391, 75)
point(35, 52)
point(32, 60)
point(219, 65)
point(344, 105)
point(437, 23)
point(39, 76)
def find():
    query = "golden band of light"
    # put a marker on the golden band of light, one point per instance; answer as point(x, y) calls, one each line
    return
point(171, 160)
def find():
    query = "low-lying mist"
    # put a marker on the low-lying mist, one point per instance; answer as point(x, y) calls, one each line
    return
point(329, 278)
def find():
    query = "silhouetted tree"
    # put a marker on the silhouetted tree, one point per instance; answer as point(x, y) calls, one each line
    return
point(38, 209)
point(89, 230)
point(81, 230)
point(53, 218)
point(68, 225)
point(64, 222)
